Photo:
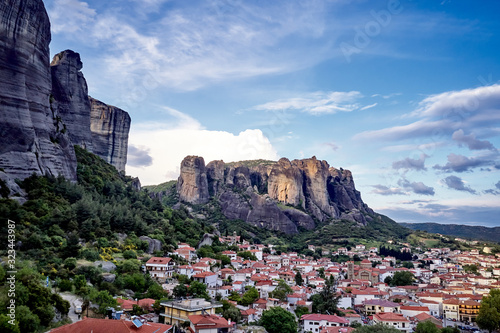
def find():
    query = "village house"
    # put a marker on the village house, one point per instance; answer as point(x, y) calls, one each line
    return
point(395, 320)
point(160, 268)
point(313, 322)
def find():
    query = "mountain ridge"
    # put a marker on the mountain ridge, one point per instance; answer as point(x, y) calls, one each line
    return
point(458, 230)
point(284, 195)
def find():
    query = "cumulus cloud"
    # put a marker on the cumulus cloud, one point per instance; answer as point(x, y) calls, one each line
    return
point(70, 16)
point(456, 183)
point(317, 103)
point(460, 163)
point(416, 187)
point(168, 144)
point(471, 141)
point(411, 164)
point(384, 190)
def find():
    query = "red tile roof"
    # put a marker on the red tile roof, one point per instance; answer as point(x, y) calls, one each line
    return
point(388, 316)
point(110, 326)
point(158, 260)
point(328, 318)
point(208, 321)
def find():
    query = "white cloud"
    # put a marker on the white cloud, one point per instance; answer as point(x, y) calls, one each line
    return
point(70, 16)
point(168, 145)
point(474, 110)
point(369, 106)
point(190, 47)
point(316, 103)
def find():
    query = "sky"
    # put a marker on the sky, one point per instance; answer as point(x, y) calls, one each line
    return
point(405, 94)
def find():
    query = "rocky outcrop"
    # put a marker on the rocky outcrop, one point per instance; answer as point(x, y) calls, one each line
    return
point(110, 127)
point(44, 108)
point(153, 244)
point(192, 185)
point(70, 99)
point(315, 179)
point(286, 195)
point(32, 139)
point(285, 183)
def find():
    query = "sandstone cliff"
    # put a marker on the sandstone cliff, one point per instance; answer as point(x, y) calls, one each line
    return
point(32, 138)
point(45, 108)
point(70, 98)
point(283, 195)
point(110, 127)
point(192, 185)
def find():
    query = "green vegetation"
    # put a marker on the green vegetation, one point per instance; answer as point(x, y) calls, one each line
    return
point(464, 231)
point(489, 313)
point(251, 163)
point(377, 328)
point(326, 301)
point(278, 320)
point(64, 227)
point(400, 278)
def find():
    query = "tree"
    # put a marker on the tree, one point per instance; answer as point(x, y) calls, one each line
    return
point(250, 296)
point(28, 322)
point(326, 301)
point(180, 291)
point(6, 327)
point(298, 279)
point(198, 289)
point(408, 264)
point(377, 328)
point(247, 255)
point(104, 300)
point(278, 320)
point(426, 327)
point(281, 291)
point(300, 311)
point(229, 311)
point(402, 278)
point(489, 313)
point(155, 291)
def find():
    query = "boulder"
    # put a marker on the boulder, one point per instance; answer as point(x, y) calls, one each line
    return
point(153, 244)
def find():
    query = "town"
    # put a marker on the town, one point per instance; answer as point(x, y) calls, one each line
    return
point(436, 285)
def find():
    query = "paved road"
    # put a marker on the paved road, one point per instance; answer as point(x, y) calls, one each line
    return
point(71, 298)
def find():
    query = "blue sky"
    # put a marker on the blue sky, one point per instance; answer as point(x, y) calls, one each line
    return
point(405, 94)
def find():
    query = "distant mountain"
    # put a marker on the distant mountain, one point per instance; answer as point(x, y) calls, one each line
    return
point(458, 230)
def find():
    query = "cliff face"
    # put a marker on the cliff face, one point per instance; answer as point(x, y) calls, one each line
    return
point(192, 185)
point(45, 110)
point(31, 134)
point(110, 127)
point(280, 196)
point(70, 97)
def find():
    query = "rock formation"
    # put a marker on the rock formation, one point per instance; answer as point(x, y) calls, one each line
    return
point(70, 98)
point(110, 127)
point(192, 184)
point(31, 134)
point(153, 244)
point(285, 195)
point(44, 109)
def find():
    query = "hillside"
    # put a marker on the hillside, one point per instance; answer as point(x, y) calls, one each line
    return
point(300, 201)
point(458, 230)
